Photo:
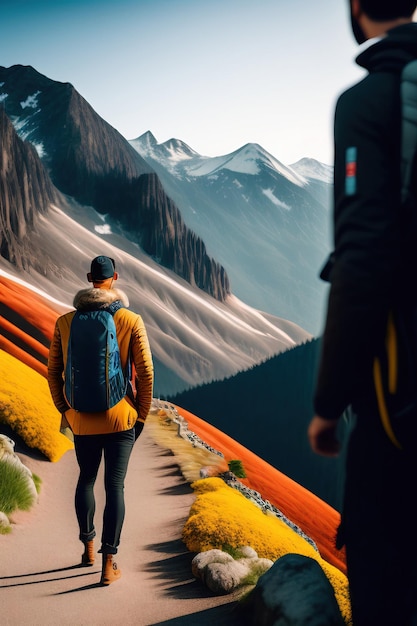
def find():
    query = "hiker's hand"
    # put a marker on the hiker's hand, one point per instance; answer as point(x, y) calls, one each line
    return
point(138, 429)
point(322, 435)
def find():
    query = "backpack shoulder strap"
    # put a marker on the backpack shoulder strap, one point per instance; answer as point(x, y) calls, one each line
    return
point(409, 126)
point(114, 306)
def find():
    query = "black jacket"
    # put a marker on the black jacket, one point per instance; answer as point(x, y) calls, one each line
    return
point(370, 270)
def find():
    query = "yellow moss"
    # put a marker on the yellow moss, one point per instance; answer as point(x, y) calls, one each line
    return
point(221, 516)
point(26, 406)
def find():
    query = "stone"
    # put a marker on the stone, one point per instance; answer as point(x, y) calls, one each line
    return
point(222, 574)
point(223, 578)
point(202, 559)
point(295, 591)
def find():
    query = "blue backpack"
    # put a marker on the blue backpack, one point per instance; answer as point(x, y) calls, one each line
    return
point(94, 377)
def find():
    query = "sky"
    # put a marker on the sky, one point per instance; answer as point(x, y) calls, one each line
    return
point(215, 74)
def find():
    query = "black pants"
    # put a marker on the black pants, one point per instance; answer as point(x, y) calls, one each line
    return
point(378, 527)
point(89, 449)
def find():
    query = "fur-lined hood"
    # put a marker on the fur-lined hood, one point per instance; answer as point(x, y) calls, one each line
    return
point(95, 297)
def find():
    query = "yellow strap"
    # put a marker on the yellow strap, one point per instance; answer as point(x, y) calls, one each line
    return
point(383, 411)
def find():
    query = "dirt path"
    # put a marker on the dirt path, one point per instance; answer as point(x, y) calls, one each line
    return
point(41, 584)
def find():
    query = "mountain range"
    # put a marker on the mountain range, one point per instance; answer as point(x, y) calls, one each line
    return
point(219, 255)
point(266, 223)
point(73, 187)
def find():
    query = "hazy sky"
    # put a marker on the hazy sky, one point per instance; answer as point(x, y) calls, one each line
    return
point(216, 74)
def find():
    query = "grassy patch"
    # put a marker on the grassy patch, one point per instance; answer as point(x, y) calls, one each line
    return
point(37, 481)
point(15, 492)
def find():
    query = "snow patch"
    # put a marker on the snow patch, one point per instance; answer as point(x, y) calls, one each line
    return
point(31, 101)
point(103, 229)
point(39, 149)
point(3, 96)
point(270, 194)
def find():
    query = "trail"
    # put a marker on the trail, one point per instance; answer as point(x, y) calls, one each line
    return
point(42, 585)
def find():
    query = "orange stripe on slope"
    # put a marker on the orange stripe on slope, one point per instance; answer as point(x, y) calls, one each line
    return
point(28, 339)
point(23, 356)
point(30, 305)
point(314, 516)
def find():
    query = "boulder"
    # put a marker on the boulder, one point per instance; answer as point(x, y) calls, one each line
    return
point(202, 559)
point(223, 574)
point(295, 591)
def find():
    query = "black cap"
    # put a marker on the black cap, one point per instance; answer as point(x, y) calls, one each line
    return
point(102, 267)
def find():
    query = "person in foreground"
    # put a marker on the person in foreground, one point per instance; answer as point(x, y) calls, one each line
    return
point(368, 275)
point(113, 431)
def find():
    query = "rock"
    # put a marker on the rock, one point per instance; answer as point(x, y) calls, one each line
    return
point(223, 578)
point(27, 192)
point(202, 559)
point(248, 552)
point(222, 574)
point(294, 592)
point(209, 471)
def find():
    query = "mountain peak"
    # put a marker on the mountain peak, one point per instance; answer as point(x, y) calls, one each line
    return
point(147, 139)
point(310, 168)
point(174, 150)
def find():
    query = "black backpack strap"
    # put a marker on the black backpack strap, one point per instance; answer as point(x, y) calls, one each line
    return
point(409, 127)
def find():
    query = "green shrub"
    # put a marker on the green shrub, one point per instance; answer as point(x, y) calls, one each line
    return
point(37, 481)
point(5, 526)
point(237, 468)
point(15, 492)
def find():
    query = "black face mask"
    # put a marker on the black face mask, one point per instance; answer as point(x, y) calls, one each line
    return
point(357, 30)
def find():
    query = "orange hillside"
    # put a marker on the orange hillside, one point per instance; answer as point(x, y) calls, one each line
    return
point(26, 324)
point(314, 516)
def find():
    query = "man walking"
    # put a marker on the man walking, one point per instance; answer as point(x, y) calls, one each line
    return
point(112, 431)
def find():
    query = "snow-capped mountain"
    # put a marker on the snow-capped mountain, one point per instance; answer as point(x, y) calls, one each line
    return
point(88, 160)
point(265, 222)
point(313, 170)
point(88, 192)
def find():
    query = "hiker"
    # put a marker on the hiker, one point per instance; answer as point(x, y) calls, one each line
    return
point(369, 275)
point(112, 431)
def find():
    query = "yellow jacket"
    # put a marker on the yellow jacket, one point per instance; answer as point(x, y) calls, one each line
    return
point(131, 333)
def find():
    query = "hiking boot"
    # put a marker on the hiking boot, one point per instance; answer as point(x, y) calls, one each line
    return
point(110, 572)
point(87, 558)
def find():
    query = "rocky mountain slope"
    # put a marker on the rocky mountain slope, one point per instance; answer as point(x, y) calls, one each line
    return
point(265, 222)
point(72, 187)
point(88, 160)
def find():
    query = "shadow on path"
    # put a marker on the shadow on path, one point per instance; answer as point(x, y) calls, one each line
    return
point(225, 615)
point(83, 588)
point(45, 580)
point(177, 570)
